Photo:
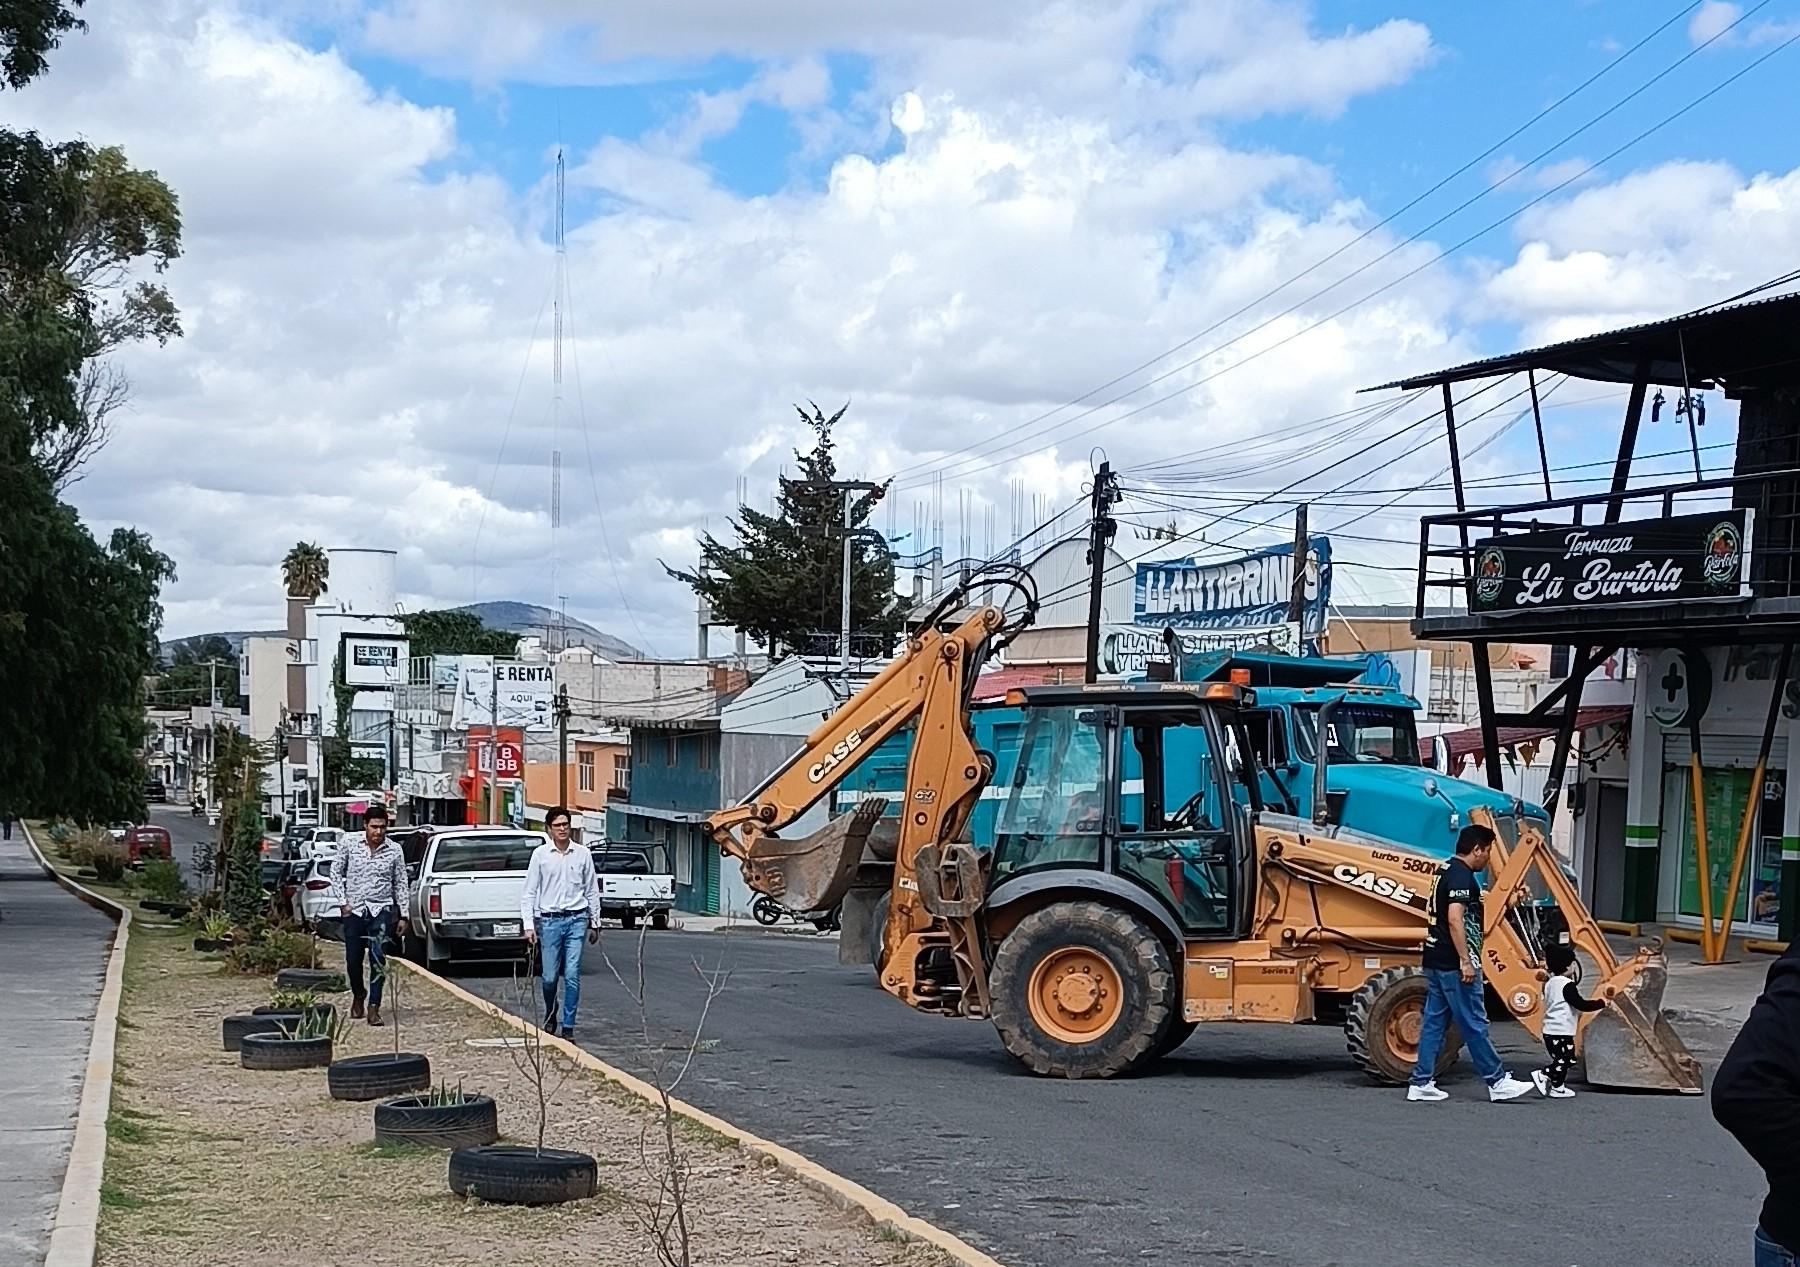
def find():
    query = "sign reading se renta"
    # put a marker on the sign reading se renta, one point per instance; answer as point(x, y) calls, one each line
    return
point(1683, 559)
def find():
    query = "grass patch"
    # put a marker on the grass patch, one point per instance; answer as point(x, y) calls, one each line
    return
point(113, 1197)
point(888, 1234)
point(127, 1130)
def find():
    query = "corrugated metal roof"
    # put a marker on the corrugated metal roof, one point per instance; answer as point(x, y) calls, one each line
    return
point(1757, 340)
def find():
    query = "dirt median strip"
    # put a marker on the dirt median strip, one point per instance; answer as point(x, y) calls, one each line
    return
point(210, 1164)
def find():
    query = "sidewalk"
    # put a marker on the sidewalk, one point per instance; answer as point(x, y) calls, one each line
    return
point(1707, 994)
point(53, 952)
point(687, 922)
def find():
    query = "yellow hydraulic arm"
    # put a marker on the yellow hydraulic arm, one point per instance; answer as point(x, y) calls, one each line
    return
point(929, 682)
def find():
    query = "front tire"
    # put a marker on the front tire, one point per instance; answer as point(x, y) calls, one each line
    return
point(1082, 990)
point(1383, 1023)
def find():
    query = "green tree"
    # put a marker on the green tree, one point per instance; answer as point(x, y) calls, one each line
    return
point(78, 619)
point(430, 633)
point(783, 582)
point(29, 29)
point(190, 674)
point(305, 569)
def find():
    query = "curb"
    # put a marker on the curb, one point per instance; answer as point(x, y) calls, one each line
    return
point(73, 1237)
point(843, 1193)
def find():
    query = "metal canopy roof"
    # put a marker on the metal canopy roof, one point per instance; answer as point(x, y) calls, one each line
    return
point(1752, 344)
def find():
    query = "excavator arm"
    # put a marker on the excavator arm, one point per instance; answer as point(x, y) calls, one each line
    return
point(928, 684)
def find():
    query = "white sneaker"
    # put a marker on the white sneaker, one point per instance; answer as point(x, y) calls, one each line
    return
point(1427, 1091)
point(1562, 1093)
point(1508, 1088)
point(1541, 1081)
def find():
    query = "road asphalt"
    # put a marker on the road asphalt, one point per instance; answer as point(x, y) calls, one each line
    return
point(1250, 1145)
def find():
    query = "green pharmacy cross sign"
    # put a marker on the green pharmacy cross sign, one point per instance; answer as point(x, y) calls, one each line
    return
point(1682, 559)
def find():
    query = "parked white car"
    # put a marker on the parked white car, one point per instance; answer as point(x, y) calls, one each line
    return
point(465, 900)
point(318, 904)
point(324, 840)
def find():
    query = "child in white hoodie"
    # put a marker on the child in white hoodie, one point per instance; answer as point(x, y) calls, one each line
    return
point(1562, 1002)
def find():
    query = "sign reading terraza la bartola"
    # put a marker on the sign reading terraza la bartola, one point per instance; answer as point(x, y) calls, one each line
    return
point(1683, 559)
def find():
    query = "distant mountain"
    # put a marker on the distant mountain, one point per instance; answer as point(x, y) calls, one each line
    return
point(526, 618)
point(522, 618)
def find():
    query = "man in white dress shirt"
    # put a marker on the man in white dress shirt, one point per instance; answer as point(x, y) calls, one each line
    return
point(561, 902)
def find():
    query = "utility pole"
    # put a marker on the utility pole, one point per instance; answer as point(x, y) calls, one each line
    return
point(562, 746)
point(844, 625)
point(1100, 535)
point(212, 675)
point(494, 743)
point(1297, 589)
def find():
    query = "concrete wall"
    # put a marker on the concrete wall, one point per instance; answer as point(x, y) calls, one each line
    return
point(601, 690)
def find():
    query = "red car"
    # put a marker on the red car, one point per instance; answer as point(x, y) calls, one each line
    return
point(144, 843)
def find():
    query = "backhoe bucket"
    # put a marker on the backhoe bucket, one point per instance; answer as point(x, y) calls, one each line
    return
point(1631, 1043)
point(812, 873)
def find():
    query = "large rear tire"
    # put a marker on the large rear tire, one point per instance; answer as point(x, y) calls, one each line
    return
point(1383, 1023)
point(1082, 990)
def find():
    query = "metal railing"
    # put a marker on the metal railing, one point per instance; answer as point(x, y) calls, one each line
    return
point(1449, 542)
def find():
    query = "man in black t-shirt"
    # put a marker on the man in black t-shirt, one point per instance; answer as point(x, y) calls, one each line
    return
point(1756, 1096)
point(1452, 963)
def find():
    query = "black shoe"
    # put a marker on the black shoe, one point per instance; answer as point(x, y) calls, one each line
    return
point(568, 1032)
point(549, 1029)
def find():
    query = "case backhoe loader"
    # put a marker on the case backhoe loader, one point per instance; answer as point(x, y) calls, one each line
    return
point(1119, 907)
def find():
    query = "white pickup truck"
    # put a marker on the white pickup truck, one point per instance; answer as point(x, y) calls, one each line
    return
point(629, 889)
point(465, 902)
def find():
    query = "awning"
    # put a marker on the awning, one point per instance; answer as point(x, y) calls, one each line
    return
point(1463, 744)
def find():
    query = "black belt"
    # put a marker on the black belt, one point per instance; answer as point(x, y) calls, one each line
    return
point(580, 910)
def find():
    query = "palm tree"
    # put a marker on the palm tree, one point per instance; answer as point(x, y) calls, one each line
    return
point(304, 570)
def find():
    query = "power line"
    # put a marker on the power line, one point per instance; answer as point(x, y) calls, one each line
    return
point(978, 451)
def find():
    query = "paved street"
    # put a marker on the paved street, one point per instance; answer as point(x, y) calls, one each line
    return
point(185, 832)
point(53, 951)
point(1254, 1145)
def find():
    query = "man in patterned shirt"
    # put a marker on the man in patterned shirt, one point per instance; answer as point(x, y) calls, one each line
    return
point(370, 879)
point(1453, 981)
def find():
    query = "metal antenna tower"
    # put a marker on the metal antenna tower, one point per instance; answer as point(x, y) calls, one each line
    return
point(556, 373)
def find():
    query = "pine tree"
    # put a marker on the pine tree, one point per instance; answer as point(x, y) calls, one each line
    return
point(782, 584)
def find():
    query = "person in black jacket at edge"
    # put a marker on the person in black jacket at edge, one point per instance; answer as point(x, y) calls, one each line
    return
point(1756, 1096)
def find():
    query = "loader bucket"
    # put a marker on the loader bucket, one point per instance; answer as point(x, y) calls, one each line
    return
point(1631, 1043)
point(812, 873)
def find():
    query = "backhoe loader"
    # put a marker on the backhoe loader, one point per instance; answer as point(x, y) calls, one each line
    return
point(1119, 908)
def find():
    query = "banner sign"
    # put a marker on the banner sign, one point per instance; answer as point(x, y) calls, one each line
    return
point(374, 661)
point(1250, 592)
point(1127, 650)
point(521, 694)
point(1683, 559)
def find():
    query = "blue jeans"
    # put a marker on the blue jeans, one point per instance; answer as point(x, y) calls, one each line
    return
point(1448, 998)
point(367, 933)
point(559, 952)
point(1769, 1254)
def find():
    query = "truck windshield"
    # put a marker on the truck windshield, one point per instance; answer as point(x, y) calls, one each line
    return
point(1378, 736)
point(621, 864)
point(490, 851)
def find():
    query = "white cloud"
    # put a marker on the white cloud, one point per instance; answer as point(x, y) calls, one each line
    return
point(1712, 19)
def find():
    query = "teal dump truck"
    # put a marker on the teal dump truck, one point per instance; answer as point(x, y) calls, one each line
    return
point(1366, 774)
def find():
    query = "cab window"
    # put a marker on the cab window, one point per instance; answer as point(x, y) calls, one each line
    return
point(1056, 806)
point(1374, 736)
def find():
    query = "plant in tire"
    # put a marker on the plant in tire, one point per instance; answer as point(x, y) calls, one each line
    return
point(1083, 990)
point(533, 1175)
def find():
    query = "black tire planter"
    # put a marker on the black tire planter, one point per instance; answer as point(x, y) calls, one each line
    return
point(324, 1013)
point(377, 1077)
point(234, 1028)
point(87, 873)
point(211, 945)
point(514, 1175)
point(271, 1052)
point(325, 980)
point(410, 1120)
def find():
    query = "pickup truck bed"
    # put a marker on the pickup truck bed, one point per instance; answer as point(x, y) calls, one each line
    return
point(630, 890)
point(465, 903)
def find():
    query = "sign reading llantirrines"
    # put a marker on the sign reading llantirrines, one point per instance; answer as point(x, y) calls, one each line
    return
point(1683, 559)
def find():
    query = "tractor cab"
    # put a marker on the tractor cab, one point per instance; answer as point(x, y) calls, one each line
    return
point(1140, 785)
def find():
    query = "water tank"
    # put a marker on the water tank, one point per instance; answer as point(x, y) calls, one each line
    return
point(362, 582)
